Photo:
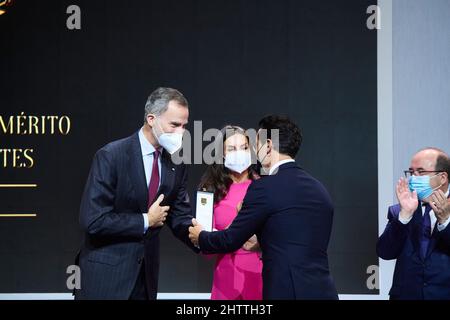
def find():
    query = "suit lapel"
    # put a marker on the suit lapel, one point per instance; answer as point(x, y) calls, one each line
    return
point(137, 173)
point(167, 174)
point(433, 240)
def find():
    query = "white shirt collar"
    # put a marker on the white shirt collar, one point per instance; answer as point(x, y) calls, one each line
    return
point(146, 147)
point(278, 164)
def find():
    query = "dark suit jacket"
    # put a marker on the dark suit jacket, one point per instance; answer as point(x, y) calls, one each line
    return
point(291, 213)
point(416, 278)
point(114, 199)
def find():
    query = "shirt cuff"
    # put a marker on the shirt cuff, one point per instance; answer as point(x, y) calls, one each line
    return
point(145, 216)
point(405, 221)
point(441, 227)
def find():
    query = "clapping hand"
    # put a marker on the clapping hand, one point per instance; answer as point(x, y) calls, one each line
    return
point(440, 205)
point(408, 200)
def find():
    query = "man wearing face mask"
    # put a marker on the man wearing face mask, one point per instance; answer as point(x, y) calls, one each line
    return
point(290, 212)
point(417, 234)
point(132, 191)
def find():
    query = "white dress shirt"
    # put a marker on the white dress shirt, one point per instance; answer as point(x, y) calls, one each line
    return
point(147, 157)
point(433, 218)
point(274, 168)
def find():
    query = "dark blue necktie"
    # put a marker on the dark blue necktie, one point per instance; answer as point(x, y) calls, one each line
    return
point(426, 232)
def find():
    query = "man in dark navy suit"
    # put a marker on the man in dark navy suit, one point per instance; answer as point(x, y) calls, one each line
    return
point(290, 212)
point(417, 234)
point(132, 188)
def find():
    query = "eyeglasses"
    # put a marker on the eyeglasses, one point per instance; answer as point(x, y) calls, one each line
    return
point(409, 173)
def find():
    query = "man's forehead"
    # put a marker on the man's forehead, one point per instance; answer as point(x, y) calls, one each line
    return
point(424, 159)
point(174, 116)
point(176, 119)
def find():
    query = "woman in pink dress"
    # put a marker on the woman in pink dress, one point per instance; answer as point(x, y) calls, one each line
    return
point(237, 275)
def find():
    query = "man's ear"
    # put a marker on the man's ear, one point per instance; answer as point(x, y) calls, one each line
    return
point(269, 145)
point(150, 119)
point(445, 178)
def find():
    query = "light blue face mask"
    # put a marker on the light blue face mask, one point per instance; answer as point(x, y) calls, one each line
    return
point(421, 184)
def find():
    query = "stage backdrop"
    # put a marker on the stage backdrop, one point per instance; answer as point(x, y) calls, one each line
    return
point(70, 91)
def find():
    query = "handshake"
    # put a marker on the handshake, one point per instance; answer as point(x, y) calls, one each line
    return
point(194, 232)
point(196, 228)
point(157, 216)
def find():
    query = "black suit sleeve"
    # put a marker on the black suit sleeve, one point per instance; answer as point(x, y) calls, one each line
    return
point(391, 242)
point(180, 217)
point(248, 222)
point(444, 236)
point(97, 216)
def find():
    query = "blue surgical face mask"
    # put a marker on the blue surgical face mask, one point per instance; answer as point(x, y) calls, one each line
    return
point(421, 184)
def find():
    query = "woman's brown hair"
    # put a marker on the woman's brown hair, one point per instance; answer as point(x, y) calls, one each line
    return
point(216, 178)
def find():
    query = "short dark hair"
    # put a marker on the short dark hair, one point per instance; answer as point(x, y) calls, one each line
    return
point(443, 164)
point(290, 135)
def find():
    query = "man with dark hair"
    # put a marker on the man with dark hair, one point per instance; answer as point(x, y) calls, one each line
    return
point(417, 234)
point(132, 191)
point(290, 212)
point(289, 135)
point(443, 164)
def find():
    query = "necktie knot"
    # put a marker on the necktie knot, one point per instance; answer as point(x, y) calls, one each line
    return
point(156, 154)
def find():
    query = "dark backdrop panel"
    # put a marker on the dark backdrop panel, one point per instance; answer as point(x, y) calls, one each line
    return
point(236, 61)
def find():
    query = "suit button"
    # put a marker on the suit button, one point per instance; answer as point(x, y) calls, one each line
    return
point(425, 284)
